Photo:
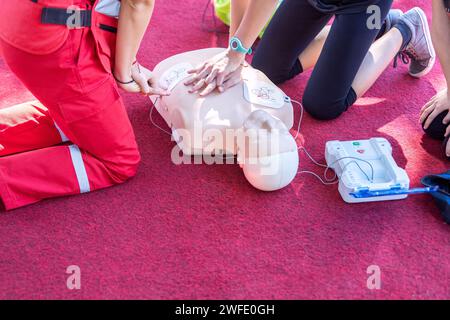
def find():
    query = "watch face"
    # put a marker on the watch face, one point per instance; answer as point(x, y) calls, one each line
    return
point(234, 45)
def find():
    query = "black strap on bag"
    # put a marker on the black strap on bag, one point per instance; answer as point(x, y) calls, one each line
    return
point(71, 19)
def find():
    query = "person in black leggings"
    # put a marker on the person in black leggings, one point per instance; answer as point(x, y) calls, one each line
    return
point(435, 115)
point(347, 60)
point(330, 90)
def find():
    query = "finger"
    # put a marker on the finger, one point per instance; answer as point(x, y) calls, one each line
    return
point(446, 119)
point(430, 118)
point(200, 84)
point(198, 75)
point(155, 89)
point(197, 68)
point(205, 72)
point(210, 78)
point(190, 80)
point(143, 84)
point(447, 131)
point(447, 149)
point(229, 76)
point(425, 114)
point(428, 104)
point(209, 88)
point(158, 92)
point(221, 77)
point(232, 81)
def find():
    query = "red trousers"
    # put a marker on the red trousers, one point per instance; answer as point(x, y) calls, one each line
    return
point(78, 138)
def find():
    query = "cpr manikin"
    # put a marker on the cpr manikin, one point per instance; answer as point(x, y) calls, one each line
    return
point(250, 120)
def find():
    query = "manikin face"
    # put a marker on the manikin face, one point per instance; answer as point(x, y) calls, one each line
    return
point(267, 152)
point(264, 135)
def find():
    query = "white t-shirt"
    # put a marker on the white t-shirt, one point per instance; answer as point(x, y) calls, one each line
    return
point(108, 7)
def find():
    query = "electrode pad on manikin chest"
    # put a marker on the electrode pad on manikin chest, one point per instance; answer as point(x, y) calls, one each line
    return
point(264, 94)
point(174, 75)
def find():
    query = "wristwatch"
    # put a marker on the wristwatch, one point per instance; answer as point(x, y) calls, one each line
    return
point(236, 45)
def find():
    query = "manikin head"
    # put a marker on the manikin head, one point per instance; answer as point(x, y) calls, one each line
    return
point(267, 152)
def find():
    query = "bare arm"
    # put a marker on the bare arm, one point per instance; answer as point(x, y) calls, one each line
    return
point(238, 9)
point(134, 18)
point(255, 18)
point(223, 70)
point(133, 22)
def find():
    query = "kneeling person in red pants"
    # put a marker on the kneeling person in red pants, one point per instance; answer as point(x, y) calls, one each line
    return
point(78, 137)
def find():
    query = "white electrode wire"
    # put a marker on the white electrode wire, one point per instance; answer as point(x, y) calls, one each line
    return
point(300, 119)
point(225, 156)
point(301, 148)
point(153, 122)
point(323, 180)
point(326, 180)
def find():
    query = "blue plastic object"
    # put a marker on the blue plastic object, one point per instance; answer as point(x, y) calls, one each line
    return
point(236, 45)
point(393, 191)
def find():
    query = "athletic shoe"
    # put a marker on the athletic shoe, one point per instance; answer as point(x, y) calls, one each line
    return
point(391, 20)
point(420, 48)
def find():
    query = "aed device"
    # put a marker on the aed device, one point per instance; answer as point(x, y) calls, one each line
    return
point(366, 170)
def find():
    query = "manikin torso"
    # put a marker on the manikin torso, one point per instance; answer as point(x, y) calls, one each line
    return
point(201, 125)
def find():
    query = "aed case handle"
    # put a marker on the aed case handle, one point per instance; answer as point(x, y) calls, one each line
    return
point(395, 173)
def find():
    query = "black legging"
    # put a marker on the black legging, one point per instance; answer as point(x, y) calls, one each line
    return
point(436, 129)
point(294, 26)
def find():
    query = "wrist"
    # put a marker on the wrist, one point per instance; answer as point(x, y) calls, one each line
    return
point(237, 45)
point(122, 74)
point(236, 56)
point(123, 77)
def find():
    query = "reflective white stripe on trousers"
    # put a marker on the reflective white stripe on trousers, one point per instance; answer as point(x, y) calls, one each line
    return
point(80, 169)
point(62, 135)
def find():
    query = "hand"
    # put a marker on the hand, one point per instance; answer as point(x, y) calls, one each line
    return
point(447, 147)
point(140, 79)
point(438, 104)
point(221, 71)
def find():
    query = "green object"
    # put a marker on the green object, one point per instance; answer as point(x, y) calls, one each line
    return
point(222, 9)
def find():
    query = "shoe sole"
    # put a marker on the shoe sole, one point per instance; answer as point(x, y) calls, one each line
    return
point(424, 20)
